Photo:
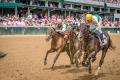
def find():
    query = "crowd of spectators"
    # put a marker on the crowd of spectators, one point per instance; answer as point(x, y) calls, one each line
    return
point(110, 1)
point(35, 21)
point(32, 20)
point(109, 23)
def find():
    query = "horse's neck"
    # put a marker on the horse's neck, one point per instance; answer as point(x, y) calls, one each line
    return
point(86, 36)
point(56, 37)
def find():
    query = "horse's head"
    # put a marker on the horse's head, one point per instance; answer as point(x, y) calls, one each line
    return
point(84, 29)
point(51, 33)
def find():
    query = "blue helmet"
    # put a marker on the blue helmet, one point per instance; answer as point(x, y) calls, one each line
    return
point(74, 24)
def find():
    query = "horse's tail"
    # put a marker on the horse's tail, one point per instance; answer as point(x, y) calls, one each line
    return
point(111, 46)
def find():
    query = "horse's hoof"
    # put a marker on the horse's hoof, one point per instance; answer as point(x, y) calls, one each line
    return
point(84, 64)
point(45, 63)
point(90, 72)
point(93, 59)
point(77, 65)
point(52, 68)
point(71, 62)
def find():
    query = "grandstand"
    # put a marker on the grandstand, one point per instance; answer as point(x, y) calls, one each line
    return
point(108, 9)
point(69, 7)
point(76, 7)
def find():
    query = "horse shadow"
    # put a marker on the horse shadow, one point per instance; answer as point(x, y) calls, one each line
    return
point(78, 70)
point(89, 77)
point(58, 67)
point(92, 76)
point(74, 70)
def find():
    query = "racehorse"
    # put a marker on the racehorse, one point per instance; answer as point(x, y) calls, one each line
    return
point(91, 46)
point(58, 45)
point(75, 46)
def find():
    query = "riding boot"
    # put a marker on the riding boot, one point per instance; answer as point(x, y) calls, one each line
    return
point(103, 39)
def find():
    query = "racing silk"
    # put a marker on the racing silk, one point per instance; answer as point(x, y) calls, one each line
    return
point(95, 23)
point(64, 26)
point(97, 19)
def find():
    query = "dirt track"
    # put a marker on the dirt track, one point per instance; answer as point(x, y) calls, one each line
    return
point(25, 56)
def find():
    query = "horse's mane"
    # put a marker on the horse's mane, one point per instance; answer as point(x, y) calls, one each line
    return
point(56, 32)
point(53, 33)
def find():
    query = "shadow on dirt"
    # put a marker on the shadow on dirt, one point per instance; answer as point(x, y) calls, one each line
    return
point(90, 77)
point(58, 67)
point(93, 77)
point(2, 55)
point(75, 70)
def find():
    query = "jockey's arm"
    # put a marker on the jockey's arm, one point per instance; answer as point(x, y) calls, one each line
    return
point(64, 26)
point(96, 23)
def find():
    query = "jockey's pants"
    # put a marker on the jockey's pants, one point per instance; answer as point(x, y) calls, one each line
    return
point(98, 31)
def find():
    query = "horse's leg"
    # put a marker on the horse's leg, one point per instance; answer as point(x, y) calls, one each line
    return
point(89, 66)
point(56, 57)
point(104, 51)
point(72, 57)
point(84, 59)
point(77, 56)
point(49, 51)
point(68, 53)
point(71, 54)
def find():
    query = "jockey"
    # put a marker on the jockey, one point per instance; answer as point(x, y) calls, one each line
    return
point(95, 21)
point(74, 24)
point(63, 29)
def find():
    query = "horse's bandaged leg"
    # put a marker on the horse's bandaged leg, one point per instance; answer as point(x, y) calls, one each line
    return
point(77, 57)
point(98, 69)
point(77, 54)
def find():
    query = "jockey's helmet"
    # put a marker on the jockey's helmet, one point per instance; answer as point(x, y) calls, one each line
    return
point(88, 17)
point(74, 24)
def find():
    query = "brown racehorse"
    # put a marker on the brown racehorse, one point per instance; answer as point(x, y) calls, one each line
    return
point(91, 46)
point(58, 45)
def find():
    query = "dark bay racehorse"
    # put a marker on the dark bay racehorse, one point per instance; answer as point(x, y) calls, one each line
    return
point(58, 45)
point(75, 46)
point(91, 46)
